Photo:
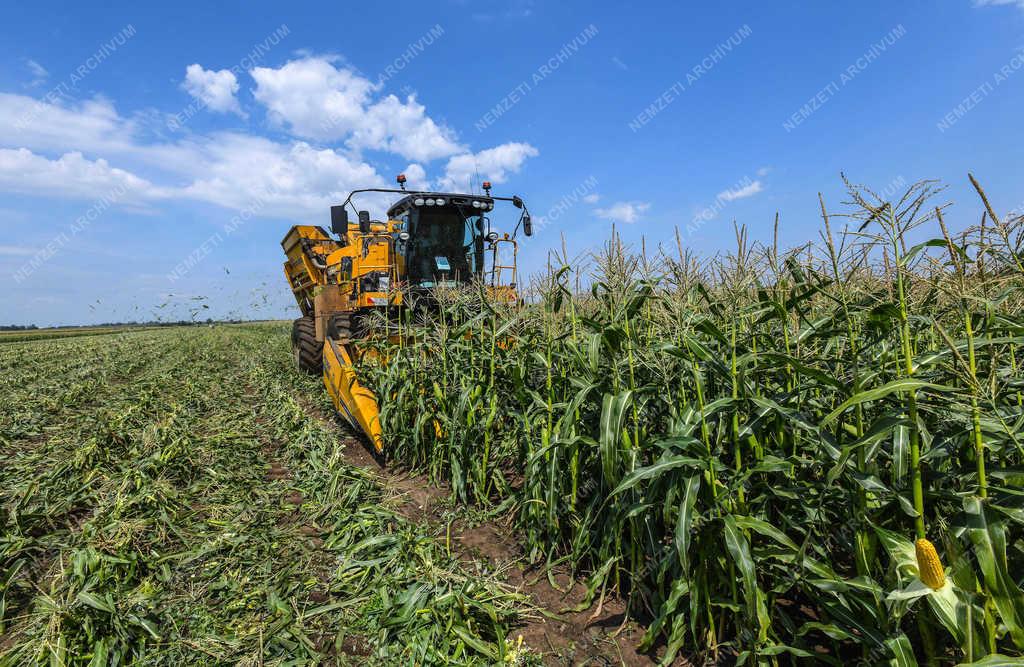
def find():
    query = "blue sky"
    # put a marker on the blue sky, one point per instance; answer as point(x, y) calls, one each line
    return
point(155, 155)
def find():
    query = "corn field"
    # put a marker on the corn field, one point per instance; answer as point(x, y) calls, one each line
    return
point(166, 500)
point(757, 450)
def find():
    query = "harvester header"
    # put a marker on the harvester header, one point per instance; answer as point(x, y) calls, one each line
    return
point(427, 240)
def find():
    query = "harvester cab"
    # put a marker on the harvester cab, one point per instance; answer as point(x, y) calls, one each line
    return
point(428, 241)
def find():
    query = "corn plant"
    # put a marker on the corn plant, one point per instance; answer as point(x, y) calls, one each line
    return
point(138, 526)
point(753, 449)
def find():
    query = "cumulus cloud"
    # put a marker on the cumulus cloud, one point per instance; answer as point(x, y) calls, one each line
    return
point(494, 164)
point(92, 125)
point(416, 177)
point(314, 99)
point(290, 179)
point(215, 89)
point(405, 129)
point(79, 149)
point(230, 169)
point(625, 212)
point(71, 176)
point(293, 180)
point(749, 190)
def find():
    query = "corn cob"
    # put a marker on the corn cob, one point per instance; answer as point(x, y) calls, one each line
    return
point(929, 565)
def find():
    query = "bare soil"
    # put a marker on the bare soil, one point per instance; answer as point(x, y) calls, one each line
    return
point(598, 635)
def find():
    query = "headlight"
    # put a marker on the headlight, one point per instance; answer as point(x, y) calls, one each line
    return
point(430, 202)
point(418, 201)
point(439, 202)
point(404, 236)
point(476, 204)
point(485, 205)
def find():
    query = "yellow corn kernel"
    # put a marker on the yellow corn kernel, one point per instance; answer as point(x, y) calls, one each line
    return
point(929, 565)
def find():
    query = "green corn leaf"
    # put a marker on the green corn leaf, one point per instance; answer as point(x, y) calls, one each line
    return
point(989, 540)
point(900, 385)
point(766, 529)
point(96, 602)
point(900, 451)
point(854, 620)
point(685, 520)
point(901, 650)
point(655, 470)
point(900, 549)
point(614, 408)
point(739, 549)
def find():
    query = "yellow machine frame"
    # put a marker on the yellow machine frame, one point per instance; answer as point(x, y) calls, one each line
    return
point(327, 277)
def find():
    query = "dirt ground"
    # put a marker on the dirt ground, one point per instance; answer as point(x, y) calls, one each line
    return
point(599, 635)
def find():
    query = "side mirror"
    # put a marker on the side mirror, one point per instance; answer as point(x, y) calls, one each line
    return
point(339, 220)
point(527, 224)
point(364, 222)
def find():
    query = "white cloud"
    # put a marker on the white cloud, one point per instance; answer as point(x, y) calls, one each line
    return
point(293, 180)
point(92, 125)
point(18, 251)
point(314, 99)
point(416, 177)
point(405, 129)
point(763, 171)
point(993, 3)
point(71, 175)
point(79, 149)
point(591, 198)
point(493, 164)
point(234, 170)
point(748, 190)
point(38, 72)
point(215, 89)
point(626, 212)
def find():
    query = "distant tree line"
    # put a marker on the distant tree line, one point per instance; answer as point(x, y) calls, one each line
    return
point(132, 323)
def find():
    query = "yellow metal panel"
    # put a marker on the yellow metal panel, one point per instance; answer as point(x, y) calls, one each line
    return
point(327, 301)
point(354, 401)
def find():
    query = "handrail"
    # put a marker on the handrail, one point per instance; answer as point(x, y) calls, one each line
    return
point(497, 269)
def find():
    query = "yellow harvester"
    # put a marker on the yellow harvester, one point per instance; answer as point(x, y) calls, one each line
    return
point(428, 240)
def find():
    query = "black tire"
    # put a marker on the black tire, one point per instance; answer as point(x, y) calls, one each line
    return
point(339, 327)
point(308, 352)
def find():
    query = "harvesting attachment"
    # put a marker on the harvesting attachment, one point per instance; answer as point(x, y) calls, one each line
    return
point(355, 284)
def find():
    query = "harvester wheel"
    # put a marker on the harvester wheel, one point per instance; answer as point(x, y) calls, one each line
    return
point(309, 354)
point(339, 327)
